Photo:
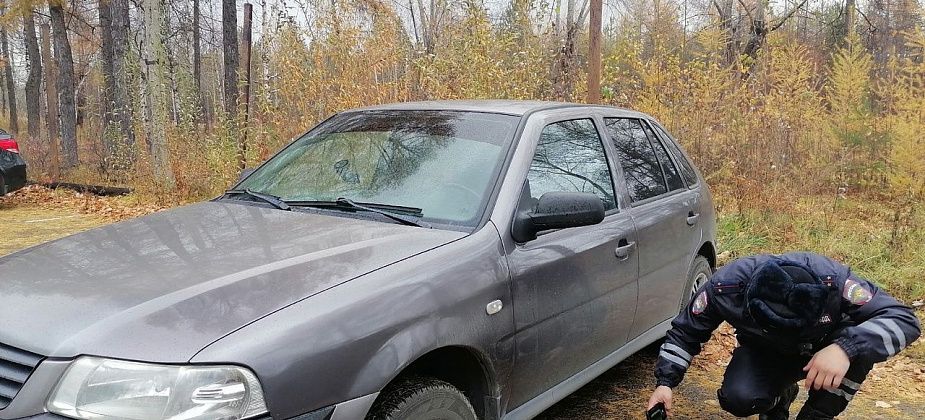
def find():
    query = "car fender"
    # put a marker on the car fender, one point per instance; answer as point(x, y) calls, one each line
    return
point(351, 340)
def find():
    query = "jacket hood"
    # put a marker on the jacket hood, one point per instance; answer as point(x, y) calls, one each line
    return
point(163, 286)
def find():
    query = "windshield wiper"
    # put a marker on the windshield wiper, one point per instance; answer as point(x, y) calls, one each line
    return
point(269, 198)
point(390, 211)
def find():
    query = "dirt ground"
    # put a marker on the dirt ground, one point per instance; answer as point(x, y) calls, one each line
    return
point(894, 390)
point(898, 387)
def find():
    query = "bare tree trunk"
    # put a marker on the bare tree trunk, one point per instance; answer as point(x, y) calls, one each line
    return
point(155, 94)
point(850, 12)
point(51, 98)
point(2, 93)
point(230, 48)
point(109, 80)
point(242, 143)
point(34, 80)
point(567, 61)
point(724, 11)
point(8, 71)
point(67, 108)
point(759, 30)
point(121, 102)
point(197, 60)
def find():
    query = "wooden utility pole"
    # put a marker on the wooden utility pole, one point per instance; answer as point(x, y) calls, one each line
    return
point(594, 55)
point(51, 97)
point(246, 93)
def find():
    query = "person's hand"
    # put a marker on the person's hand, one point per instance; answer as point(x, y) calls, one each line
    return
point(827, 368)
point(662, 395)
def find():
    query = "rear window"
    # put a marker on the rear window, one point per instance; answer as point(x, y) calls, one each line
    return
point(668, 167)
point(641, 169)
point(687, 170)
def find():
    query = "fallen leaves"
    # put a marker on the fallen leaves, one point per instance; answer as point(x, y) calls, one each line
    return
point(111, 208)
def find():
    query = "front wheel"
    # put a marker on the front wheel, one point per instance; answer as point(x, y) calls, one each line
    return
point(422, 399)
point(698, 275)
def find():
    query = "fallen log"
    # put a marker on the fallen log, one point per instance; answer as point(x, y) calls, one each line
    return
point(88, 189)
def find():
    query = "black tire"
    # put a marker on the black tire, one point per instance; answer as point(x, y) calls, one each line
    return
point(420, 398)
point(699, 274)
point(2, 186)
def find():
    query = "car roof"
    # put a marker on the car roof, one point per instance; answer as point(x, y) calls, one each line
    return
point(497, 106)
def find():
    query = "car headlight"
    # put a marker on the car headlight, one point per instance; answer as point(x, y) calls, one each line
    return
point(95, 388)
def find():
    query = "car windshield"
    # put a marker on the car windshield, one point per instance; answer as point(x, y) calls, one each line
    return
point(442, 162)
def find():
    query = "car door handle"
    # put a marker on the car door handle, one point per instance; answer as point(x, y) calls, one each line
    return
point(692, 218)
point(624, 249)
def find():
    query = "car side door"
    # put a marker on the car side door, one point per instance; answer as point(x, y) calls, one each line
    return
point(574, 290)
point(663, 211)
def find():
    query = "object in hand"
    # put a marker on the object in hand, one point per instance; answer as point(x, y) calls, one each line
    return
point(657, 412)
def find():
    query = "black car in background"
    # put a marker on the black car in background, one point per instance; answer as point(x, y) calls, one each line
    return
point(12, 165)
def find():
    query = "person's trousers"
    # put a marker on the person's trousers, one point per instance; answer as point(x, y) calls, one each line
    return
point(756, 378)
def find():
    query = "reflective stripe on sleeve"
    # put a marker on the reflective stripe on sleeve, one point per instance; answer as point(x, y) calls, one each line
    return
point(841, 393)
point(897, 332)
point(877, 329)
point(677, 350)
point(674, 359)
point(851, 384)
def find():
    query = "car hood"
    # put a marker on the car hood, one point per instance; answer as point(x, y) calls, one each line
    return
point(163, 286)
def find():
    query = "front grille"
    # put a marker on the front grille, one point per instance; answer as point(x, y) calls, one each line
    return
point(15, 367)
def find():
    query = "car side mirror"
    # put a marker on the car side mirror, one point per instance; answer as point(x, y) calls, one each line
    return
point(246, 172)
point(558, 210)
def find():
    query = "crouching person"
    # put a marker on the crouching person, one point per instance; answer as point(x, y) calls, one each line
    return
point(796, 316)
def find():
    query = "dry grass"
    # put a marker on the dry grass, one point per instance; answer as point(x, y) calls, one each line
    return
point(35, 215)
point(23, 226)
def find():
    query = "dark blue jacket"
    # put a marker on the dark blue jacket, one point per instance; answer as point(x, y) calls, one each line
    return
point(866, 322)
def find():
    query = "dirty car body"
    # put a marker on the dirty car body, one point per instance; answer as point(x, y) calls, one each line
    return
point(514, 250)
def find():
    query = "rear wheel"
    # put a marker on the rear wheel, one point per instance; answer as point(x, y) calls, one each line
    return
point(698, 275)
point(419, 398)
point(2, 186)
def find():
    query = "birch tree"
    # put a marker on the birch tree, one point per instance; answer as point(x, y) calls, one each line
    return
point(155, 94)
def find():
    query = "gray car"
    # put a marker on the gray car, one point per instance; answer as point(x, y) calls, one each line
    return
point(435, 260)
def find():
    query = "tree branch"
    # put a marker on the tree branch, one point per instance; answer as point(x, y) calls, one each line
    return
point(873, 28)
point(719, 10)
point(751, 19)
point(787, 16)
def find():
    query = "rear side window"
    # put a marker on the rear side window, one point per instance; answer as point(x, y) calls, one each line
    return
point(668, 168)
point(687, 170)
point(643, 174)
point(570, 158)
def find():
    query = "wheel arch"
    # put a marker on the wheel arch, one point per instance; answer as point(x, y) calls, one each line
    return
point(708, 251)
point(465, 368)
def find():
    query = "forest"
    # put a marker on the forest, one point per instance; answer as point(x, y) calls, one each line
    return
point(806, 117)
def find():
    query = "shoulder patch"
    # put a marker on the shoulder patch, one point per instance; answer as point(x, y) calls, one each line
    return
point(856, 293)
point(700, 304)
